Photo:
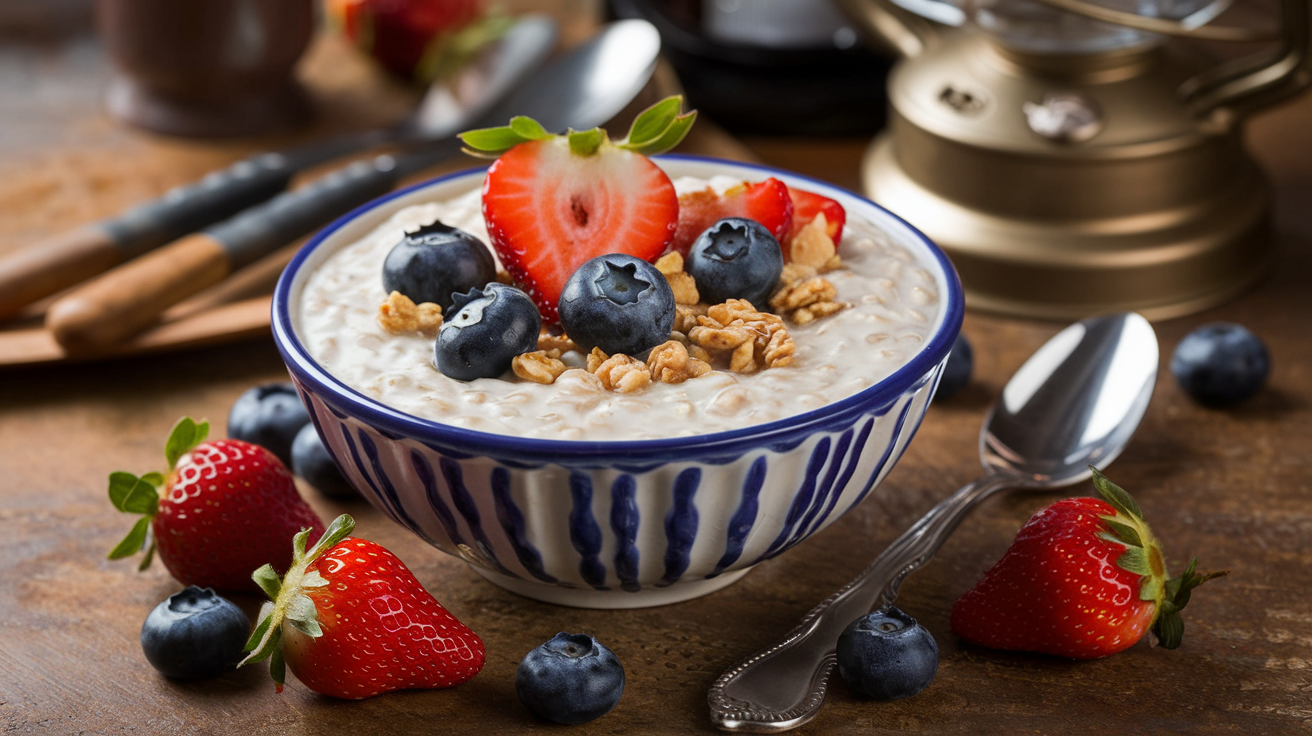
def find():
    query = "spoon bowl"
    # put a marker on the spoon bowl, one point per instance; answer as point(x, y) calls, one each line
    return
point(1075, 403)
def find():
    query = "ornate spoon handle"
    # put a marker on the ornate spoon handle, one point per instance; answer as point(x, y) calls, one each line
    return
point(784, 686)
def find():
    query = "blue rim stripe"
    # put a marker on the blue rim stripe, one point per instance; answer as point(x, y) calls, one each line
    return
point(584, 533)
point(858, 449)
point(802, 500)
point(624, 519)
point(429, 482)
point(512, 523)
point(681, 525)
point(596, 453)
point(740, 525)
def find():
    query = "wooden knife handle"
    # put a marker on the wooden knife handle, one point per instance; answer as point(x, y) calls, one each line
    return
point(130, 298)
point(53, 265)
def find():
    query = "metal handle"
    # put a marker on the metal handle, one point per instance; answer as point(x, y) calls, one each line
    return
point(1243, 86)
point(901, 26)
point(784, 686)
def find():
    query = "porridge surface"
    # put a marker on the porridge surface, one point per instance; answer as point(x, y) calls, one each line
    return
point(894, 297)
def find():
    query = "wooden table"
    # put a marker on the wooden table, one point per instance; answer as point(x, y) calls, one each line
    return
point(1233, 487)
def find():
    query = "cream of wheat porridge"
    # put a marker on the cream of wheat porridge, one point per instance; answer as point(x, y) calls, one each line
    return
point(894, 305)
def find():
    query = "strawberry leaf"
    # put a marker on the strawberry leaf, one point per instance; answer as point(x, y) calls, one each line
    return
point(1115, 495)
point(278, 670)
point(267, 578)
point(652, 122)
point(528, 128)
point(1169, 626)
point(671, 137)
point(133, 542)
point(155, 479)
point(491, 142)
point(586, 142)
point(303, 616)
point(185, 436)
point(1123, 533)
point(340, 529)
point(147, 558)
point(1135, 560)
point(1169, 630)
point(264, 639)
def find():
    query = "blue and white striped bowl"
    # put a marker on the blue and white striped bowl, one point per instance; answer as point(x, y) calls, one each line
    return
point(617, 524)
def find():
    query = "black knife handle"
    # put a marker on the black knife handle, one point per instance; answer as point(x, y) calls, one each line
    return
point(260, 230)
point(186, 209)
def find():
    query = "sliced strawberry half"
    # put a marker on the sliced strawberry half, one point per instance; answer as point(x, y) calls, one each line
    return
point(806, 205)
point(553, 202)
point(549, 211)
point(768, 202)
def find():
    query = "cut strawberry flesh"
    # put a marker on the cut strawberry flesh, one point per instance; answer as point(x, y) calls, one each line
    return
point(806, 205)
point(766, 202)
point(548, 211)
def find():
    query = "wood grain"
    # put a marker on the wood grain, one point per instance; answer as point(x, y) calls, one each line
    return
point(53, 265)
point(1232, 487)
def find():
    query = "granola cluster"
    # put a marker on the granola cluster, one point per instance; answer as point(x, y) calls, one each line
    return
point(734, 336)
point(400, 315)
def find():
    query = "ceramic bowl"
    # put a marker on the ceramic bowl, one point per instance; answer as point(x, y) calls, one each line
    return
point(625, 523)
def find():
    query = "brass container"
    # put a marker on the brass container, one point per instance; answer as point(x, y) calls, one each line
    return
point(1064, 185)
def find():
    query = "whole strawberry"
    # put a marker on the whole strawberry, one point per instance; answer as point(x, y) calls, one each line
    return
point(352, 622)
point(554, 202)
point(226, 508)
point(1084, 578)
point(418, 40)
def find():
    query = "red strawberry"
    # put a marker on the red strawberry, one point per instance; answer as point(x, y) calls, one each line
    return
point(352, 622)
point(227, 508)
point(767, 202)
point(806, 205)
point(1084, 578)
point(406, 37)
point(552, 203)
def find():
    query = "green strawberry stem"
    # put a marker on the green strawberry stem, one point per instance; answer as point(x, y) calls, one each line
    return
point(1143, 556)
point(133, 495)
point(287, 600)
point(657, 129)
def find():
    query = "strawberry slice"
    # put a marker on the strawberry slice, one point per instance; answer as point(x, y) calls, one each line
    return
point(549, 211)
point(767, 202)
point(806, 205)
point(555, 202)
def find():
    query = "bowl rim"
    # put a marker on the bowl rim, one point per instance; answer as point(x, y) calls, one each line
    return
point(381, 416)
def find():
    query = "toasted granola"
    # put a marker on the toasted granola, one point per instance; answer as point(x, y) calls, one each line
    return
point(671, 363)
point(622, 374)
point(399, 315)
point(555, 343)
point(538, 366)
point(812, 246)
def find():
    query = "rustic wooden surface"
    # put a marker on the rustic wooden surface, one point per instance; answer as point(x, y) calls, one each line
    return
point(1233, 487)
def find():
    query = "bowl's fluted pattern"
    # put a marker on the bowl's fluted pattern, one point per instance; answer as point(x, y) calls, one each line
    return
point(647, 530)
point(612, 524)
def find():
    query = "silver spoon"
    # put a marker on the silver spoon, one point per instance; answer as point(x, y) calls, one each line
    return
point(1073, 404)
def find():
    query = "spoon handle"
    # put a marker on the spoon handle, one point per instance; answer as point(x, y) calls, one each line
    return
point(783, 687)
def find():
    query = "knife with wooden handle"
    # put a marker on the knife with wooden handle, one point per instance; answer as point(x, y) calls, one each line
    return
point(131, 297)
point(55, 264)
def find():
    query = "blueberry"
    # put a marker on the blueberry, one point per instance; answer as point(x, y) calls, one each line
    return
point(570, 679)
point(195, 634)
point(886, 655)
point(486, 330)
point(311, 461)
point(956, 374)
point(618, 303)
point(269, 416)
point(736, 258)
point(1221, 364)
point(435, 262)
